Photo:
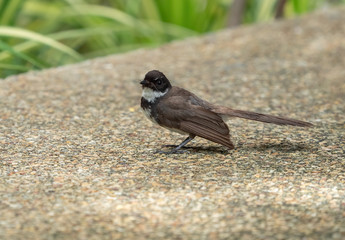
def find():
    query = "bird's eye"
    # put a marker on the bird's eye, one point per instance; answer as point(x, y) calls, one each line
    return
point(159, 82)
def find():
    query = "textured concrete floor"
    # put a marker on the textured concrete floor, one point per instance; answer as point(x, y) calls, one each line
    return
point(77, 156)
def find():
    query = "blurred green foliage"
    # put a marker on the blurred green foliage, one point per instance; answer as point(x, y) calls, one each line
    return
point(37, 34)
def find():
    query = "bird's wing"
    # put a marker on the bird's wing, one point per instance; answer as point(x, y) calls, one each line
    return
point(180, 113)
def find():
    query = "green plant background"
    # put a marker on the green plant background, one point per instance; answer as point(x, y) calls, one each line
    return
point(37, 34)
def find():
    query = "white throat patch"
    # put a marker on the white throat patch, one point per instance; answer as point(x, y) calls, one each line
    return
point(151, 95)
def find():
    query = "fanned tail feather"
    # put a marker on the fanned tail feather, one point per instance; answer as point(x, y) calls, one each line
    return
point(261, 117)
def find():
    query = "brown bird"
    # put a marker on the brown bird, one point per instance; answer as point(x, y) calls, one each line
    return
point(181, 111)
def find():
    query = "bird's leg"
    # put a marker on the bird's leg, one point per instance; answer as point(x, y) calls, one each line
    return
point(187, 140)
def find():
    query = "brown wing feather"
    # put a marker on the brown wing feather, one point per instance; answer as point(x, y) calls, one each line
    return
point(193, 119)
point(207, 132)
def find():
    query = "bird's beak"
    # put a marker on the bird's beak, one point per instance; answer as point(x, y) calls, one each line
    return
point(145, 83)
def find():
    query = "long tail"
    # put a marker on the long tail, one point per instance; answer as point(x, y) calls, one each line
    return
point(260, 117)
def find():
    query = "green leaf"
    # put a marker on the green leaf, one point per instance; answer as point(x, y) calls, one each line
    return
point(32, 36)
point(21, 55)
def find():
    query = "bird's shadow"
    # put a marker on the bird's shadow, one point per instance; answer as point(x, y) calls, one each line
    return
point(283, 146)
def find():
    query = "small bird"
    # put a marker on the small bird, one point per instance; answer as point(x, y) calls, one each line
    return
point(181, 111)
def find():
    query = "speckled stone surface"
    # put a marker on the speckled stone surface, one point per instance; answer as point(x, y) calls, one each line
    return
point(77, 156)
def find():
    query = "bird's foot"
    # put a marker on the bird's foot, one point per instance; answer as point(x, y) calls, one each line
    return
point(175, 146)
point(174, 151)
point(170, 146)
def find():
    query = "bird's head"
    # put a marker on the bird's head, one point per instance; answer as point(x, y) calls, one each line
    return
point(156, 81)
point(155, 85)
